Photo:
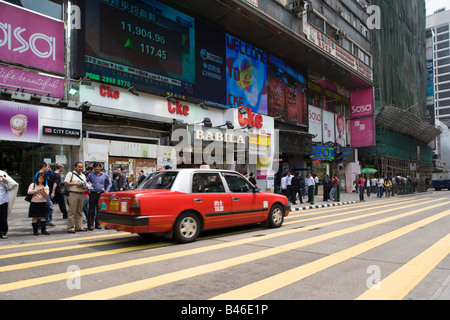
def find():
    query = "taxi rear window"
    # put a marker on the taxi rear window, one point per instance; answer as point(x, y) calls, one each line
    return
point(159, 180)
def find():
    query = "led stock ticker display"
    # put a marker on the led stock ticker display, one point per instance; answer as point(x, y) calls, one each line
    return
point(144, 44)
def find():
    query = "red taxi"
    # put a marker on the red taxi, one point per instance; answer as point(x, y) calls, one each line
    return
point(182, 203)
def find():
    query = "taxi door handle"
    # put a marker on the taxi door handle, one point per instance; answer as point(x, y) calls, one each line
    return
point(235, 199)
point(198, 200)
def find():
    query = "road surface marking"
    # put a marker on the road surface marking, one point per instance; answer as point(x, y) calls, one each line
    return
point(268, 285)
point(146, 284)
point(401, 282)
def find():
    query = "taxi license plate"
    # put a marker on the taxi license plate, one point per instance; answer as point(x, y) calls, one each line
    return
point(114, 205)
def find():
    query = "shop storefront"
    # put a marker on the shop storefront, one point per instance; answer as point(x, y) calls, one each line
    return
point(32, 134)
point(145, 132)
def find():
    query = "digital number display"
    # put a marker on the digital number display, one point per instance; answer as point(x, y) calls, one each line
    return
point(144, 44)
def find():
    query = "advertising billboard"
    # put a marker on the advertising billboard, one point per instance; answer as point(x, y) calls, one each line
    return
point(286, 92)
point(362, 132)
point(19, 122)
point(31, 39)
point(246, 75)
point(361, 103)
point(140, 43)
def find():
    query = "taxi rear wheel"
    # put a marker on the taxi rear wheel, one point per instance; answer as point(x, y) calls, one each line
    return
point(186, 228)
point(276, 216)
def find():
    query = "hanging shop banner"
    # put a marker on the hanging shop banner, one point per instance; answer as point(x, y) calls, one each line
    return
point(315, 123)
point(31, 39)
point(19, 122)
point(341, 132)
point(31, 82)
point(361, 103)
point(328, 133)
point(362, 132)
point(286, 92)
point(246, 75)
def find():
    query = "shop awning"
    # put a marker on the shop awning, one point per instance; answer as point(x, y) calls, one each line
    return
point(404, 122)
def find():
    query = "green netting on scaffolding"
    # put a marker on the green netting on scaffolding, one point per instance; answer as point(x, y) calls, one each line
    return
point(395, 146)
point(399, 55)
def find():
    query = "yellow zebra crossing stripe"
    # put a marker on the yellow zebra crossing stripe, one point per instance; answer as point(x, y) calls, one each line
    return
point(266, 286)
point(146, 284)
point(400, 283)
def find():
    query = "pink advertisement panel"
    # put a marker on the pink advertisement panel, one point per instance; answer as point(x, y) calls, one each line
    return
point(362, 132)
point(31, 82)
point(19, 122)
point(361, 103)
point(30, 39)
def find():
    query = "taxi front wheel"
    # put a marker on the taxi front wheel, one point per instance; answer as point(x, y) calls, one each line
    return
point(276, 217)
point(186, 228)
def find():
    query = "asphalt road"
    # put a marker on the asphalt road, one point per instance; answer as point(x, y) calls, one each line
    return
point(390, 249)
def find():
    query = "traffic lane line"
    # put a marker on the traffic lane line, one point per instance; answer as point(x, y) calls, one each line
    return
point(25, 245)
point(284, 279)
point(146, 284)
point(39, 263)
point(362, 206)
point(410, 204)
point(401, 282)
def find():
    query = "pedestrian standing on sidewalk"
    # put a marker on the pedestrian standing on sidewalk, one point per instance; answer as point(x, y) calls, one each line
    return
point(387, 187)
point(310, 185)
point(283, 185)
point(38, 205)
point(74, 181)
point(327, 186)
point(368, 185)
point(56, 193)
point(100, 183)
point(380, 187)
point(362, 183)
point(3, 208)
point(296, 189)
point(335, 185)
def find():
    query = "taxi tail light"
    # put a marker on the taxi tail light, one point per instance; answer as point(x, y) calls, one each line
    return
point(135, 207)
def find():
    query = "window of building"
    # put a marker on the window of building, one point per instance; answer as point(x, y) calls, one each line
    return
point(445, 103)
point(444, 95)
point(443, 45)
point(51, 8)
point(443, 62)
point(442, 87)
point(442, 37)
point(442, 29)
point(444, 78)
point(443, 53)
point(443, 70)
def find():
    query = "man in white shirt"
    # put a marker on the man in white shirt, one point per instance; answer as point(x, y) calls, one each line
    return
point(310, 185)
point(380, 187)
point(283, 185)
point(74, 181)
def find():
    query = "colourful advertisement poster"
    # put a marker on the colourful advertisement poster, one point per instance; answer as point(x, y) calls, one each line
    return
point(19, 122)
point(362, 132)
point(341, 132)
point(315, 123)
point(246, 75)
point(328, 120)
point(361, 103)
point(30, 39)
point(286, 92)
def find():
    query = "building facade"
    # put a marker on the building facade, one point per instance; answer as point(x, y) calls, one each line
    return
point(438, 25)
point(260, 86)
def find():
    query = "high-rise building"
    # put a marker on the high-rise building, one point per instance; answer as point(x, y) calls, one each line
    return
point(438, 26)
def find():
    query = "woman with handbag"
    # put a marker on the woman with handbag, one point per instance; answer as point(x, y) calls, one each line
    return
point(38, 204)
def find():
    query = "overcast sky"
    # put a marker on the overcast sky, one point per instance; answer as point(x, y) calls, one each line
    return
point(433, 5)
